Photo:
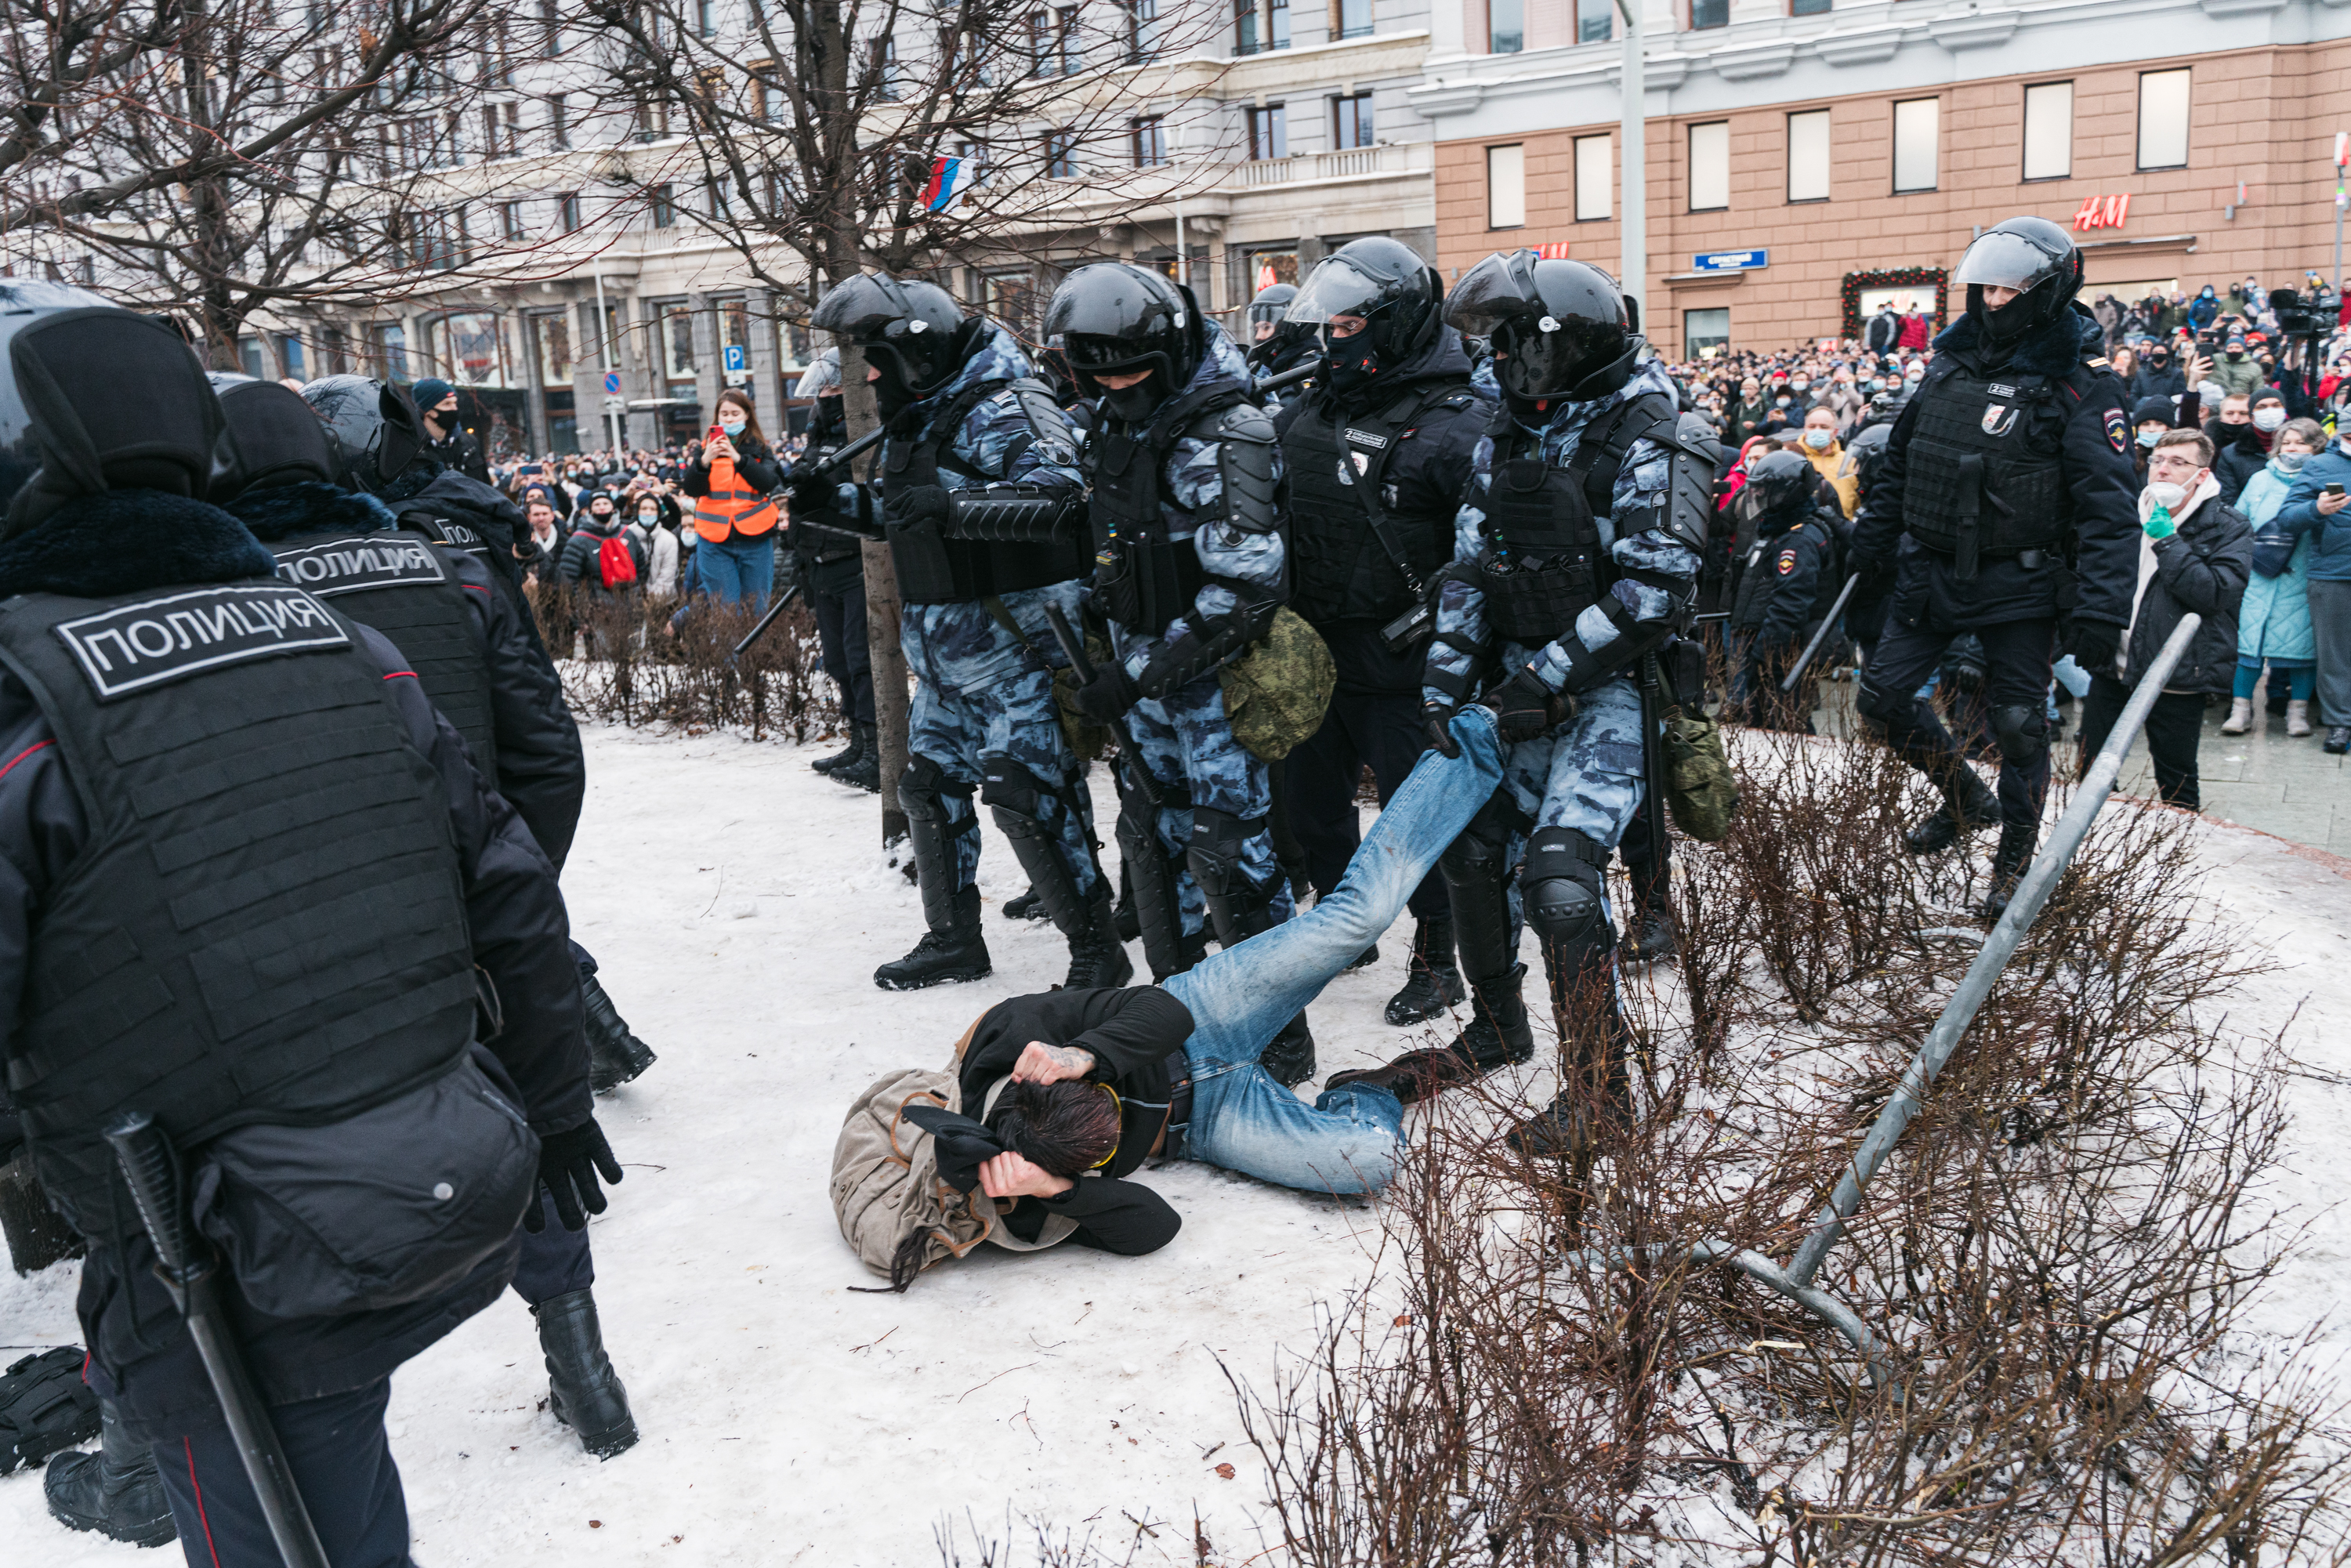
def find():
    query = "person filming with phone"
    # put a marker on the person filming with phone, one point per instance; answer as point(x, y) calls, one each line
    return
point(2316, 505)
point(732, 482)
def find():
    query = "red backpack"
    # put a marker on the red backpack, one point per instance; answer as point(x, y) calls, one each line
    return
point(613, 560)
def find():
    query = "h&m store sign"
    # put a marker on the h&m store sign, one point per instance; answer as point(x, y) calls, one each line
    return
point(2102, 211)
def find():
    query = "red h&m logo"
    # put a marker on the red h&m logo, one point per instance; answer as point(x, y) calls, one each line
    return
point(1553, 252)
point(2102, 211)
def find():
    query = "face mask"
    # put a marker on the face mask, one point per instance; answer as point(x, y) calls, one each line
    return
point(2236, 353)
point(2166, 495)
point(648, 517)
point(1818, 440)
point(2147, 438)
point(2268, 418)
point(1782, 400)
point(733, 427)
point(1877, 384)
point(1799, 384)
point(2291, 461)
point(1913, 374)
point(1134, 403)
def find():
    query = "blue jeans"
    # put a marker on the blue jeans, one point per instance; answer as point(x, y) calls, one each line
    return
point(1349, 1139)
point(740, 569)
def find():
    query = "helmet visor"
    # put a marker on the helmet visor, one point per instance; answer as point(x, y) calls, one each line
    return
point(1492, 292)
point(1107, 312)
point(822, 378)
point(861, 308)
point(2006, 261)
point(1336, 288)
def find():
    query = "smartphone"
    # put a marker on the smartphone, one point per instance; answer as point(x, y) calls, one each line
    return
point(2333, 490)
point(715, 433)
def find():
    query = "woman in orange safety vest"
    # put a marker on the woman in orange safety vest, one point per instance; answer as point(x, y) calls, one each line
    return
point(730, 483)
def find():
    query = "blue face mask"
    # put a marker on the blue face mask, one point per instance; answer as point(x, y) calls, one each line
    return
point(733, 427)
point(2147, 438)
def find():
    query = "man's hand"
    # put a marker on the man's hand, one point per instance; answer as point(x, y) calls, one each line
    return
point(1106, 697)
point(2199, 369)
point(1436, 721)
point(1009, 1176)
point(2329, 504)
point(1042, 1063)
point(1523, 710)
point(2093, 644)
point(569, 1164)
point(920, 503)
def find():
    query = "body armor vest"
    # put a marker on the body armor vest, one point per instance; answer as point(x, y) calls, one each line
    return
point(1984, 475)
point(1144, 578)
point(398, 584)
point(1545, 563)
point(1336, 466)
point(935, 569)
point(268, 922)
point(445, 531)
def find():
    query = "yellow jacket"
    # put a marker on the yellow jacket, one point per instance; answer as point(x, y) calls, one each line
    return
point(1828, 463)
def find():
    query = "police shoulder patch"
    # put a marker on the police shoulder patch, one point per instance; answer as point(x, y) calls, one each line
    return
point(1787, 562)
point(363, 561)
point(133, 647)
point(2117, 432)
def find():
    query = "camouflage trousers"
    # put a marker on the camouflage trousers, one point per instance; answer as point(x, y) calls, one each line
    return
point(1188, 745)
point(1585, 774)
point(978, 693)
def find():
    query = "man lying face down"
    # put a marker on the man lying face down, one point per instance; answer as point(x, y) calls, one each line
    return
point(1078, 1088)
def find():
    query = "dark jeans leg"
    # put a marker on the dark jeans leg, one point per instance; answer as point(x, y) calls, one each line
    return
point(2174, 727)
point(342, 1467)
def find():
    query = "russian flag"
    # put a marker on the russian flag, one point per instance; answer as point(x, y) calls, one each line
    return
point(951, 180)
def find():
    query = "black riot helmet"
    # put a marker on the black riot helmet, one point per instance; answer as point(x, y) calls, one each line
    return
point(1267, 308)
point(372, 426)
point(2032, 255)
point(1389, 288)
point(97, 398)
point(911, 331)
point(1560, 329)
point(279, 439)
point(1776, 482)
point(1113, 318)
point(1864, 455)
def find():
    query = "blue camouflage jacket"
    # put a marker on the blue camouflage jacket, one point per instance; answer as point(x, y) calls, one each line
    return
point(1641, 492)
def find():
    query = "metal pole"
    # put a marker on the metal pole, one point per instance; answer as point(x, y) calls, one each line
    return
point(1804, 659)
point(2339, 200)
point(613, 428)
point(1632, 161)
point(1990, 960)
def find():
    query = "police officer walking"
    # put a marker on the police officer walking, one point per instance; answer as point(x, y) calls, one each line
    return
point(832, 569)
point(1189, 568)
point(1578, 549)
point(977, 453)
point(2008, 508)
point(1787, 580)
point(1277, 345)
point(1378, 458)
point(258, 877)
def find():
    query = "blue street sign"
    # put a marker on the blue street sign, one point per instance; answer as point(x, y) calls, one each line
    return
point(1732, 260)
point(612, 383)
point(735, 357)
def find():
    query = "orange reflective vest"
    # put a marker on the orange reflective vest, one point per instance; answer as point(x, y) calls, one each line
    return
point(732, 507)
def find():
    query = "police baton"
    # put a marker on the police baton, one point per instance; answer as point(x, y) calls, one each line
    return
point(755, 633)
point(1804, 660)
point(1289, 378)
point(191, 1270)
point(836, 458)
point(1073, 648)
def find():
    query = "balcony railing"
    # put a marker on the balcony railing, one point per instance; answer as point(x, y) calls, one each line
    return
point(1351, 162)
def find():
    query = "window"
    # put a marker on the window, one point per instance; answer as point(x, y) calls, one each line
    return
point(1808, 156)
point(1045, 43)
point(1150, 139)
point(2163, 119)
point(1268, 267)
point(705, 18)
point(676, 335)
point(1506, 25)
point(1914, 143)
point(511, 220)
point(1352, 19)
point(1280, 13)
point(389, 343)
point(881, 60)
point(1594, 21)
point(1060, 154)
point(1709, 14)
point(713, 200)
point(769, 99)
point(2049, 131)
point(1268, 131)
point(1506, 187)
point(550, 26)
point(290, 354)
point(567, 212)
point(501, 130)
point(1705, 329)
point(665, 204)
point(558, 122)
point(1350, 122)
point(1710, 166)
point(1245, 40)
point(1808, 7)
point(249, 354)
point(652, 117)
point(1142, 31)
point(1595, 172)
point(552, 335)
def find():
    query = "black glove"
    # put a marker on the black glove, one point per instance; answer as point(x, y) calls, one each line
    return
point(812, 494)
point(1106, 697)
point(1436, 720)
point(1523, 710)
point(2093, 644)
point(568, 1165)
point(920, 503)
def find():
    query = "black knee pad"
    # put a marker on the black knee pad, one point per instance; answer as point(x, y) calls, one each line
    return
point(1562, 885)
point(923, 789)
point(1215, 854)
point(1010, 790)
point(2023, 733)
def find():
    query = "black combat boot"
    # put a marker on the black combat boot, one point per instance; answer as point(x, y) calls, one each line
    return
point(949, 952)
point(1364, 960)
point(114, 1491)
point(1499, 1034)
point(1432, 983)
point(1649, 935)
point(614, 1054)
point(851, 750)
point(583, 1389)
point(1098, 961)
point(2010, 862)
point(1289, 1056)
point(864, 770)
point(1026, 906)
point(1968, 806)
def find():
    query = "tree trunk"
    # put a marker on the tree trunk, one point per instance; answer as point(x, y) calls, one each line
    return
point(887, 658)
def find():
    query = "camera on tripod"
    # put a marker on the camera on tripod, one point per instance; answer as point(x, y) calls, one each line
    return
point(2296, 317)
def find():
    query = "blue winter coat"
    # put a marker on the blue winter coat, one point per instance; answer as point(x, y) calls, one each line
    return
point(2330, 545)
point(2275, 621)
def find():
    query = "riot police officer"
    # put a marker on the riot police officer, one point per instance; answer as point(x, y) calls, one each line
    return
point(1577, 556)
point(833, 570)
point(2008, 506)
point(1277, 344)
point(1189, 568)
point(979, 496)
point(259, 875)
point(1378, 458)
point(1787, 580)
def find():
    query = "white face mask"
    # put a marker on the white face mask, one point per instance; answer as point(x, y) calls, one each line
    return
point(2268, 418)
point(1818, 440)
point(2166, 495)
point(2291, 461)
point(1915, 373)
point(1800, 384)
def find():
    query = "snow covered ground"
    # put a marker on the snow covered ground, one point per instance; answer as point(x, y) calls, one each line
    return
point(738, 905)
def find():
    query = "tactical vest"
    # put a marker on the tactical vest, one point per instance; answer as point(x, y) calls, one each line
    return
point(1545, 563)
point(1337, 468)
point(1984, 472)
point(934, 569)
point(1143, 577)
point(267, 923)
point(446, 531)
point(397, 583)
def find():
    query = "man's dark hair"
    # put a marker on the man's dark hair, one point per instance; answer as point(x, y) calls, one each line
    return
point(1066, 1128)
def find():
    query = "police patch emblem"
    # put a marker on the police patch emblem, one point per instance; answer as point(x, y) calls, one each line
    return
point(2117, 435)
point(1787, 561)
point(134, 647)
point(1363, 462)
point(1997, 418)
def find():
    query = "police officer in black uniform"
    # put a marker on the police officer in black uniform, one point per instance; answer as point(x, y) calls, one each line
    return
point(1377, 455)
point(259, 892)
point(1278, 345)
point(833, 567)
point(2008, 508)
point(440, 609)
point(1786, 582)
